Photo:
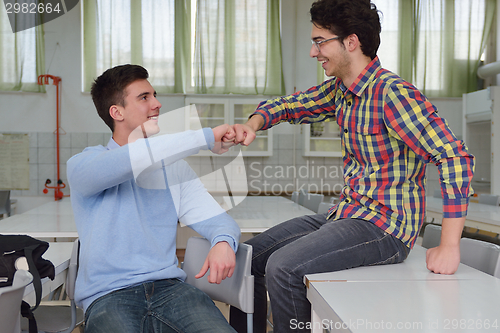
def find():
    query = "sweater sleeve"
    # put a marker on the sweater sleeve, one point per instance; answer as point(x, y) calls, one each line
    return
point(197, 209)
point(97, 168)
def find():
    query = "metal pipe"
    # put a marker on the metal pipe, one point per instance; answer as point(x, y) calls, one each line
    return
point(58, 194)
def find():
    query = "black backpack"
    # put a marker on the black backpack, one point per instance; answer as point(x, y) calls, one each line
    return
point(15, 251)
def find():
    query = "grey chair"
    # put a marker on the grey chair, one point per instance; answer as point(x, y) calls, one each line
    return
point(437, 194)
point(432, 236)
point(58, 317)
point(295, 196)
point(312, 201)
point(4, 203)
point(10, 302)
point(488, 199)
point(480, 255)
point(324, 207)
point(302, 196)
point(334, 200)
point(497, 269)
point(236, 290)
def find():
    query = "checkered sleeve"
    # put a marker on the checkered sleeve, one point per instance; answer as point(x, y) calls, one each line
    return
point(414, 120)
point(313, 105)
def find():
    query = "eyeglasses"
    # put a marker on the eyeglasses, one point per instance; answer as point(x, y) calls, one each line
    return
point(316, 43)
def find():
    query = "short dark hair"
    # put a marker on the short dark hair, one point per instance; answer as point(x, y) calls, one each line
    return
point(109, 89)
point(346, 17)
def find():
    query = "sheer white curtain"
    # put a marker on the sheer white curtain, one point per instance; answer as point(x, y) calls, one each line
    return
point(236, 43)
point(22, 57)
point(140, 32)
point(435, 44)
point(237, 47)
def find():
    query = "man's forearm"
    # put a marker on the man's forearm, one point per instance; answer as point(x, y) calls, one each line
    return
point(452, 231)
point(256, 122)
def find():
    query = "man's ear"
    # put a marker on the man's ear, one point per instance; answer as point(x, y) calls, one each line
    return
point(351, 42)
point(116, 113)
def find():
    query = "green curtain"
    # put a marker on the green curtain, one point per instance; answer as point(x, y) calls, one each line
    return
point(144, 32)
point(237, 44)
point(22, 57)
point(238, 47)
point(447, 39)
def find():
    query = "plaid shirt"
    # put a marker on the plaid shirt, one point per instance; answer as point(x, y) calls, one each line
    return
point(389, 131)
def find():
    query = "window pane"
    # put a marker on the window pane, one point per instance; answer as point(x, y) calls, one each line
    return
point(113, 34)
point(250, 43)
point(467, 13)
point(210, 43)
point(17, 54)
point(158, 22)
point(389, 39)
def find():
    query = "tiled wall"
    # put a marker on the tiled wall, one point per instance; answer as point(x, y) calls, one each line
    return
point(43, 157)
point(287, 170)
point(276, 174)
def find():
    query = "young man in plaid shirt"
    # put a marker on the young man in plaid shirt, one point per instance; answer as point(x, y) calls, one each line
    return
point(389, 132)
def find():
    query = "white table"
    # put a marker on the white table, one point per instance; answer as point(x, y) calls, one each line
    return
point(480, 216)
point(404, 297)
point(256, 214)
point(59, 254)
point(51, 220)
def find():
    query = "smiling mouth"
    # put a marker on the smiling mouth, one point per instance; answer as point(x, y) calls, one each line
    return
point(153, 117)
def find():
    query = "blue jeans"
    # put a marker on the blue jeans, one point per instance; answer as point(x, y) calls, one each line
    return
point(161, 306)
point(307, 245)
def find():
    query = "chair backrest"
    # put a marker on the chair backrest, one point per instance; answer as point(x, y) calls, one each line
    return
point(72, 270)
point(479, 254)
point(437, 194)
point(488, 199)
point(302, 196)
point(295, 196)
point(10, 302)
point(334, 200)
point(236, 290)
point(432, 236)
point(497, 269)
point(312, 201)
point(324, 207)
point(5, 202)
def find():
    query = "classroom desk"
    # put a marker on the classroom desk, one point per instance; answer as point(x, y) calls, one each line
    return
point(404, 297)
point(51, 220)
point(256, 214)
point(480, 216)
point(59, 254)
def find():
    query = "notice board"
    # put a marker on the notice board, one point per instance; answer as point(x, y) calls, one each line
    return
point(14, 162)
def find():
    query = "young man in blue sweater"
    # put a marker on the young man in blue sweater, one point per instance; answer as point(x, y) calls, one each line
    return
point(127, 198)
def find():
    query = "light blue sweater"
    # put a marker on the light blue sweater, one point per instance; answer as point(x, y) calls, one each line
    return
point(127, 201)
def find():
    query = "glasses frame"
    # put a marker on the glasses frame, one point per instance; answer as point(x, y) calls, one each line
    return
point(317, 44)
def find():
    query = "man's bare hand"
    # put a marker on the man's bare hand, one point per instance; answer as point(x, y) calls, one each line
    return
point(443, 259)
point(221, 260)
point(224, 138)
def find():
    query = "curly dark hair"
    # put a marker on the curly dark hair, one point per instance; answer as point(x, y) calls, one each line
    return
point(346, 17)
point(109, 89)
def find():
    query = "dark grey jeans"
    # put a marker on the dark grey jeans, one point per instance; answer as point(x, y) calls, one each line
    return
point(306, 245)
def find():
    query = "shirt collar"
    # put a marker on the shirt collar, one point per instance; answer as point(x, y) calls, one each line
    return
point(365, 77)
point(112, 144)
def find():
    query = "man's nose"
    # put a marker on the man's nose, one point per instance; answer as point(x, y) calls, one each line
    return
point(313, 53)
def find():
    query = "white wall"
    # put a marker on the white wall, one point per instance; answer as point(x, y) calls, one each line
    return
point(30, 112)
point(35, 113)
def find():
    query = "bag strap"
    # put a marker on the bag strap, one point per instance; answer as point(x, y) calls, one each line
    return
point(37, 283)
point(27, 313)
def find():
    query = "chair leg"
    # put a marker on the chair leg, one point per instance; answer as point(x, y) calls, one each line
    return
point(249, 322)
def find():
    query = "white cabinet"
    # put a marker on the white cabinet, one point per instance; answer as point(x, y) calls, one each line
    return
point(481, 133)
point(211, 112)
point(322, 139)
